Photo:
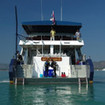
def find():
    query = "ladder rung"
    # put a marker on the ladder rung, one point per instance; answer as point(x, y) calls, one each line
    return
point(82, 80)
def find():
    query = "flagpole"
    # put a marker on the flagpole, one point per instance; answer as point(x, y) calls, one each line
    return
point(61, 10)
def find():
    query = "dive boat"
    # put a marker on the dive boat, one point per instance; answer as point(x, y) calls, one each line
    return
point(65, 50)
point(103, 69)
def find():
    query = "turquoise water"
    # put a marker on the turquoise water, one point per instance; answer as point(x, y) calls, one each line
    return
point(52, 94)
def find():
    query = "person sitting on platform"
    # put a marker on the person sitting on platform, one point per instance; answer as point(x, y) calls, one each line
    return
point(53, 65)
point(47, 64)
point(52, 34)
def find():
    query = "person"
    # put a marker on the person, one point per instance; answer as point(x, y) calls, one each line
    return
point(90, 63)
point(19, 59)
point(84, 59)
point(74, 37)
point(47, 64)
point(78, 61)
point(53, 65)
point(52, 34)
point(12, 69)
point(77, 35)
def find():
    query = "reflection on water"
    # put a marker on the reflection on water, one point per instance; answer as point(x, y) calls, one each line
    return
point(50, 94)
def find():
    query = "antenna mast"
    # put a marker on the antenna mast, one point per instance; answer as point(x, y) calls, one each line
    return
point(16, 30)
point(61, 10)
point(41, 11)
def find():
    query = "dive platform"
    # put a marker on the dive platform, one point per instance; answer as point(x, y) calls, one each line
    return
point(48, 80)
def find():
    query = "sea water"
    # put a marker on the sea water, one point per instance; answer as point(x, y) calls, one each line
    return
point(53, 94)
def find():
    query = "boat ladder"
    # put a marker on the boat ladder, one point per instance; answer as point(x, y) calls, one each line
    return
point(19, 81)
point(82, 80)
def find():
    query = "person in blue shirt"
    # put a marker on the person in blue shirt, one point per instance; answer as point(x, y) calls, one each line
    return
point(12, 69)
point(90, 63)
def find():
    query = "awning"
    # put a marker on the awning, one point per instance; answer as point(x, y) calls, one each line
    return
point(45, 27)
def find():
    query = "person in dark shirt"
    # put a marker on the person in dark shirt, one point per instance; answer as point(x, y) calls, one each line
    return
point(19, 59)
point(53, 65)
point(47, 64)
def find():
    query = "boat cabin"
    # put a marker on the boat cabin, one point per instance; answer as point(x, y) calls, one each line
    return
point(38, 41)
point(65, 49)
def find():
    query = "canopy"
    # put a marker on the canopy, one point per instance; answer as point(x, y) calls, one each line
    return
point(45, 27)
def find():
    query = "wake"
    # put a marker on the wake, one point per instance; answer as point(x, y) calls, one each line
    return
point(4, 81)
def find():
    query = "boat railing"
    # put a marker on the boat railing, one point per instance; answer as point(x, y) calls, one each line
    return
point(48, 38)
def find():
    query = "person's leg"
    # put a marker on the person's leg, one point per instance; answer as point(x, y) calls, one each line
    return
point(11, 76)
point(53, 38)
point(54, 72)
point(91, 76)
point(47, 72)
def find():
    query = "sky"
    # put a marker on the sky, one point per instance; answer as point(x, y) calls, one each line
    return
point(91, 13)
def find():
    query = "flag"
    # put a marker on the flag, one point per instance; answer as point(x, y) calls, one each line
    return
point(53, 18)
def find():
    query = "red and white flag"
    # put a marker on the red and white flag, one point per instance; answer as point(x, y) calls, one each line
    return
point(53, 18)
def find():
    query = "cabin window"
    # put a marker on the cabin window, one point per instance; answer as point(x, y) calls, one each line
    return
point(56, 50)
point(46, 49)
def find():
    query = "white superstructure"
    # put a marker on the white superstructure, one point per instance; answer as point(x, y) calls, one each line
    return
point(65, 50)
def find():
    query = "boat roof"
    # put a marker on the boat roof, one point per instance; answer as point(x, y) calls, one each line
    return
point(45, 26)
